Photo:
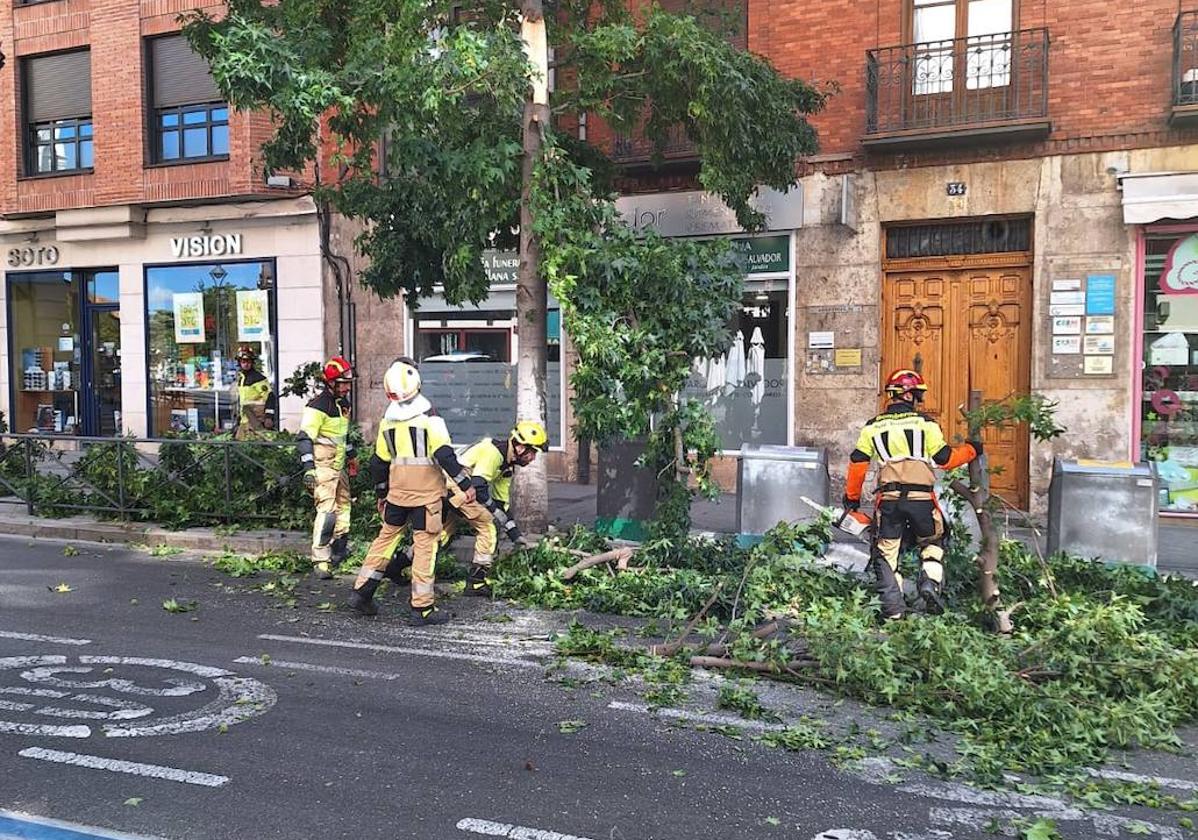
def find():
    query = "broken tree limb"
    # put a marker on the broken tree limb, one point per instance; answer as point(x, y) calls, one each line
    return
point(617, 555)
point(673, 647)
point(764, 631)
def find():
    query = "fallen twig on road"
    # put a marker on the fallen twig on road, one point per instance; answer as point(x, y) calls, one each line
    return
point(621, 556)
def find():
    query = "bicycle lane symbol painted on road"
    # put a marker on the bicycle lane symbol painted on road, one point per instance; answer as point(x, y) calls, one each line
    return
point(122, 696)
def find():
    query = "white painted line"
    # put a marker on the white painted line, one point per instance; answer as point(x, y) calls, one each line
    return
point(1165, 782)
point(488, 828)
point(85, 830)
point(696, 717)
point(34, 637)
point(133, 768)
point(319, 669)
point(77, 731)
point(436, 654)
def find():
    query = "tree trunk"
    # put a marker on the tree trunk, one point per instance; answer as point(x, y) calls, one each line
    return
point(531, 496)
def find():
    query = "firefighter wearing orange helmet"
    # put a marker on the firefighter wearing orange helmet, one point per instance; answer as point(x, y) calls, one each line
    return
point(908, 446)
point(329, 462)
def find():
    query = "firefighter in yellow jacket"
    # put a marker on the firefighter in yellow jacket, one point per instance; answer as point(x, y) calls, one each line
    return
point(908, 446)
point(412, 457)
point(491, 463)
point(329, 462)
point(257, 405)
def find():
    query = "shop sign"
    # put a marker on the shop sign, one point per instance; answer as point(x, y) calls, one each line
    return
point(1180, 276)
point(698, 213)
point(501, 267)
point(765, 254)
point(29, 255)
point(207, 245)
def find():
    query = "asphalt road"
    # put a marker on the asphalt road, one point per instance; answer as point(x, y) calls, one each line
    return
point(246, 719)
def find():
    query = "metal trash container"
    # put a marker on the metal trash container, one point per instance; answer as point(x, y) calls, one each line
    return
point(1104, 509)
point(772, 482)
point(626, 497)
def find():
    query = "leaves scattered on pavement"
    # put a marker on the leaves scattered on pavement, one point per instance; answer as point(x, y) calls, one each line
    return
point(569, 727)
point(61, 588)
point(171, 605)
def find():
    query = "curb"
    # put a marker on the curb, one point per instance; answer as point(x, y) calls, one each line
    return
point(195, 539)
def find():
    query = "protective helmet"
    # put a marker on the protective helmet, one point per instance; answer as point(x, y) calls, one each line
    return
point(401, 382)
point(903, 382)
point(531, 433)
point(337, 369)
point(246, 352)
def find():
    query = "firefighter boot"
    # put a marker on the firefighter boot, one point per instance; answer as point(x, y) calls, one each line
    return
point(427, 616)
point(361, 599)
point(400, 560)
point(340, 550)
point(929, 591)
point(477, 583)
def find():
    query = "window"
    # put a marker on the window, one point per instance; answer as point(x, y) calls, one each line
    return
point(190, 118)
point(955, 39)
point(197, 316)
point(58, 105)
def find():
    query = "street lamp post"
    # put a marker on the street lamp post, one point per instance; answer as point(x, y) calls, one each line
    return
point(218, 275)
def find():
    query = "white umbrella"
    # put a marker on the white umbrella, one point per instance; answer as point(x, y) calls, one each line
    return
point(755, 366)
point(735, 364)
point(715, 375)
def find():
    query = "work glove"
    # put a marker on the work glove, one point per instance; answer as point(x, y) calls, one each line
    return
point(352, 467)
point(977, 446)
point(310, 480)
point(469, 495)
point(850, 504)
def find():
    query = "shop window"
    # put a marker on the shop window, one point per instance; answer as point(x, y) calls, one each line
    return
point(65, 352)
point(1169, 399)
point(746, 389)
point(58, 106)
point(197, 317)
point(190, 119)
point(468, 368)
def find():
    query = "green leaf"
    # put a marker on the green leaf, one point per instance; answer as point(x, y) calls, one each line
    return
point(773, 821)
point(569, 727)
point(173, 606)
point(1042, 829)
point(60, 589)
point(1138, 828)
point(134, 801)
point(70, 551)
point(679, 773)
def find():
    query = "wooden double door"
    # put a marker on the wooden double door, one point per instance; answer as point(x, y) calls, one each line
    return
point(966, 329)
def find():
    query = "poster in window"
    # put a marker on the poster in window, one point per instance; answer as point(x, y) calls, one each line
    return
point(1180, 276)
point(189, 317)
point(252, 315)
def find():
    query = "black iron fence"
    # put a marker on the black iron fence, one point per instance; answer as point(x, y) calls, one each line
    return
point(635, 147)
point(981, 80)
point(1185, 59)
point(175, 482)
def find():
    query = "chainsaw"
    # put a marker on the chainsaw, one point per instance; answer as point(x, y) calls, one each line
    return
point(853, 522)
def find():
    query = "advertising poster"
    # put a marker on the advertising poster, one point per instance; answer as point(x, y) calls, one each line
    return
point(253, 319)
point(189, 317)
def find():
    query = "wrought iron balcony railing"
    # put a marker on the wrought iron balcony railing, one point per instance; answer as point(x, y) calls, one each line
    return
point(636, 148)
point(1185, 68)
point(984, 85)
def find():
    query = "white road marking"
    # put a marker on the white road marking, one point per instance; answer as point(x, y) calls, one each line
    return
point(34, 637)
point(1165, 782)
point(319, 669)
point(513, 832)
point(79, 731)
point(436, 654)
point(696, 717)
point(845, 834)
point(133, 768)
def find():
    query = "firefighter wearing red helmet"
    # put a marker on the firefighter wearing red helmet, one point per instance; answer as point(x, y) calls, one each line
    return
point(908, 446)
point(328, 461)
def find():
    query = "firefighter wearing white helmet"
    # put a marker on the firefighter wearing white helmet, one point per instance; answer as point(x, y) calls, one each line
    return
point(413, 454)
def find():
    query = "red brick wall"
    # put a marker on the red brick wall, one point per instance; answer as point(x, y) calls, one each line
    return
point(114, 30)
point(1110, 76)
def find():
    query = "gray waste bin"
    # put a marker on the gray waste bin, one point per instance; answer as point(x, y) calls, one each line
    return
point(627, 494)
point(1104, 509)
point(773, 480)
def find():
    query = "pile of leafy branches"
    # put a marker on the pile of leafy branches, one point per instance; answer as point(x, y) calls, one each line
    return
point(1104, 657)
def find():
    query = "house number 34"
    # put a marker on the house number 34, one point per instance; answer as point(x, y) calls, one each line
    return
point(27, 256)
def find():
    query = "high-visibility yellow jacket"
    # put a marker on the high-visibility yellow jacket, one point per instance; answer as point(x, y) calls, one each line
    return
point(491, 474)
point(412, 458)
point(323, 439)
point(253, 389)
point(907, 445)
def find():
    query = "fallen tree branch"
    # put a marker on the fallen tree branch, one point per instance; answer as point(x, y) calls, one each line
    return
point(673, 647)
point(618, 554)
point(763, 631)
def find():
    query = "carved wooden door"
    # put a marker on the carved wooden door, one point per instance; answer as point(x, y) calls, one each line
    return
point(964, 330)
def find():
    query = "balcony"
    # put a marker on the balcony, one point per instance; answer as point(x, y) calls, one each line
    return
point(984, 89)
point(636, 152)
point(1185, 71)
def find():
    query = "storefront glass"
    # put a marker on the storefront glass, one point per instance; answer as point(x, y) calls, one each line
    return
point(468, 367)
point(1169, 401)
point(746, 389)
point(65, 352)
point(197, 316)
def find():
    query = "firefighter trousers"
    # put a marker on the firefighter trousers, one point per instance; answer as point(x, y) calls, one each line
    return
point(425, 523)
point(252, 422)
point(921, 518)
point(331, 494)
point(459, 513)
